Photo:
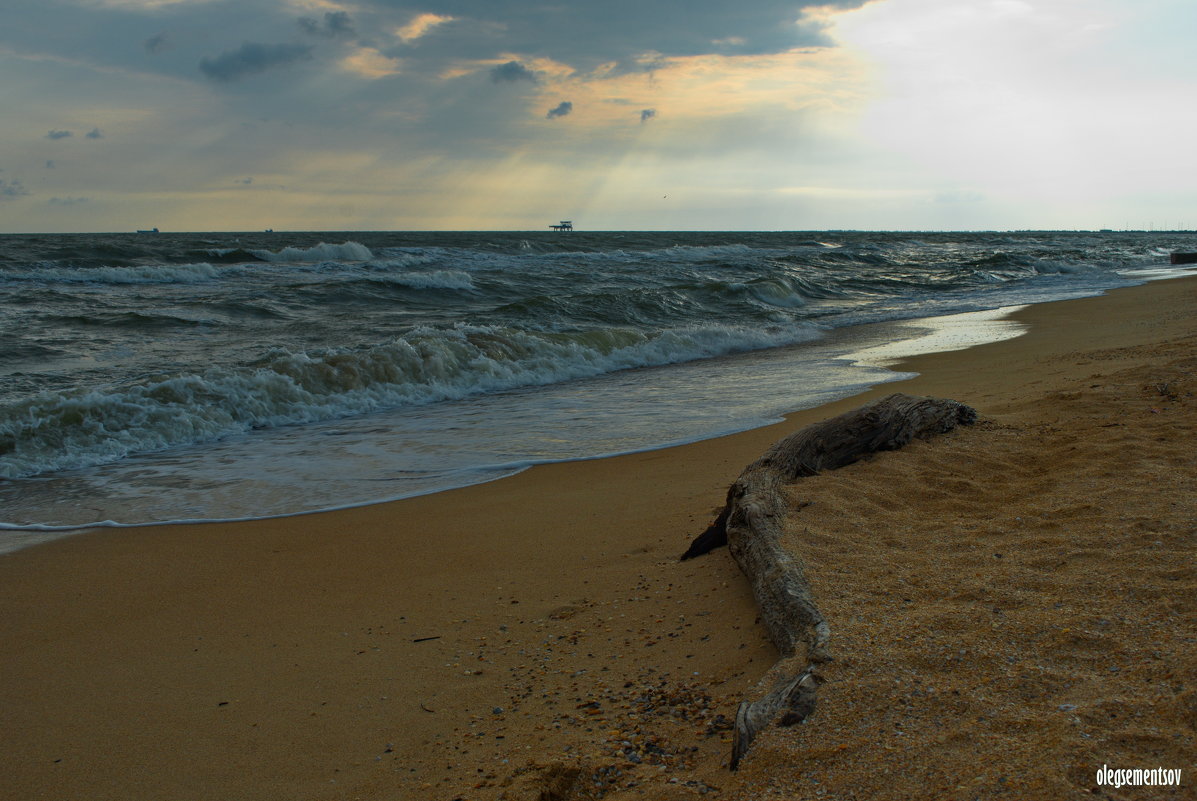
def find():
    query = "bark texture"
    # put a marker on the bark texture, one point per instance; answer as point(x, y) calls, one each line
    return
point(752, 523)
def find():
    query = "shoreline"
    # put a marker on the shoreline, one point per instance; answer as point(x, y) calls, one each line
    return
point(867, 346)
point(363, 652)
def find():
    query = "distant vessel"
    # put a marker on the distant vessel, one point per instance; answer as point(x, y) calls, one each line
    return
point(147, 230)
point(564, 225)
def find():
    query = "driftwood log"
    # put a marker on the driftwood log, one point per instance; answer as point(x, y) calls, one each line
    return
point(752, 523)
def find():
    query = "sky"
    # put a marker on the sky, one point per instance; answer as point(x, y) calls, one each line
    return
point(218, 115)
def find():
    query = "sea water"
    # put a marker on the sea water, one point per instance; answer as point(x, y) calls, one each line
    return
point(160, 377)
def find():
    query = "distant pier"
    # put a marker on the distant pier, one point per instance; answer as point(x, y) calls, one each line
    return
point(564, 225)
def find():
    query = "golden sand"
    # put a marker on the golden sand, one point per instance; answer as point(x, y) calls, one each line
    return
point(1012, 606)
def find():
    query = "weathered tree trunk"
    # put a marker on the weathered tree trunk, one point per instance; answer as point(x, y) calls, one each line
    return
point(753, 522)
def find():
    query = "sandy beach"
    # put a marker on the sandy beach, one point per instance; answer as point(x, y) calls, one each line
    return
point(1012, 607)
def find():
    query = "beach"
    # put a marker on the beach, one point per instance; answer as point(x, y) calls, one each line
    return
point(1015, 598)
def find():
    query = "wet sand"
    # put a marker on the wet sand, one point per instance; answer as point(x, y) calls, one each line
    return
point(536, 637)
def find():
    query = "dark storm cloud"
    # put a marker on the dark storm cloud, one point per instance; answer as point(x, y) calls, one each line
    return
point(512, 72)
point(647, 114)
point(452, 65)
point(336, 24)
point(137, 38)
point(630, 34)
point(95, 133)
point(617, 35)
point(59, 135)
point(560, 110)
point(252, 58)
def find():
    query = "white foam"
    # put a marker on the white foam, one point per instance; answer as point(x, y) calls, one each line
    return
point(414, 451)
point(941, 334)
point(346, 251)
point(58, 431)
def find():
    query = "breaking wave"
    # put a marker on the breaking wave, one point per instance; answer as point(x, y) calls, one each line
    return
point(57, 431)
point(436, 279)
point(346, 251)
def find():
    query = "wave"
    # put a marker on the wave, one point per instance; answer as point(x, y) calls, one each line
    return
point(775, 292)
point(198, 273)
point(687, 295)
point(233, 255)
point(144, 320)
point(16, 352)
point(57, 431)
point(436, 279)
point(346, 251)
point(709, 252)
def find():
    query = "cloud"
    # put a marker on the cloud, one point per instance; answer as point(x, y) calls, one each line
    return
point(59, 134)
point(50, 164)
point(420, 25)
point(561, 109)
point(511, 72)
point(367, 62)
point(157, 43)
point(617, 35)
point(13, 188)
point(647, 114)
point(336, 25)
point(95, 133)
point(252, 58)
point(68, 201)
point(245, 181)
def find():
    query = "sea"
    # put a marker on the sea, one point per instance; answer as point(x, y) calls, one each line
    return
point(158, 377)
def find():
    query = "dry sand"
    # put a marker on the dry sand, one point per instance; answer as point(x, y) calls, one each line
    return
point(1012, 606)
